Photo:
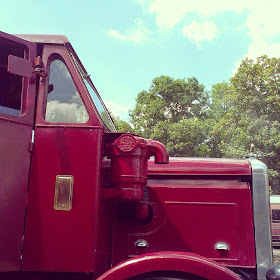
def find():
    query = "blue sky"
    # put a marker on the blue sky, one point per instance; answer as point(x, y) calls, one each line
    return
point(125, 44)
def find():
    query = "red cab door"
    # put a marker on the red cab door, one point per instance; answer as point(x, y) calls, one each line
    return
point(61, 234)
point(17, 103)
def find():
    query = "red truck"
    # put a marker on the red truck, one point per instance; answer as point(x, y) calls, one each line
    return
point(79, 200)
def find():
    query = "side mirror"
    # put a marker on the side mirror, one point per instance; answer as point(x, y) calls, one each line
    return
point(20, 66)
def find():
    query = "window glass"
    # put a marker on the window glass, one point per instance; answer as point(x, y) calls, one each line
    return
point(10, 84)
point(64, 104)
point(103, 112)
point(100, 108)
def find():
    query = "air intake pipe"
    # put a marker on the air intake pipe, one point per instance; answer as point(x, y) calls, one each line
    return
point(129, 161)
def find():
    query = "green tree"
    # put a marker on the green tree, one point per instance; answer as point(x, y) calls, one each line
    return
point(249, 112)
point(219, 108)
point(242, 111)
point(174, 111)
point(121, 126)
point(219, 105)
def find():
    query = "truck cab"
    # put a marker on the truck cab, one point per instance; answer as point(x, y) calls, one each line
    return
point(79, 200)
point(53, 123)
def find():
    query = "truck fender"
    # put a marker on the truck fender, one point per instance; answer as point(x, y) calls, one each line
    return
point(170, 261)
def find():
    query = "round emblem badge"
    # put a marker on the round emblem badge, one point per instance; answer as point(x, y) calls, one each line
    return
point(126, 143)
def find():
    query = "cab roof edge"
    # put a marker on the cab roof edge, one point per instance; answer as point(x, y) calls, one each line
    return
point(47, 39)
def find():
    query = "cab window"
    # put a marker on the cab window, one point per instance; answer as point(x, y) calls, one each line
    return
point(10, 85)
point(99, 105)
point(64, 104)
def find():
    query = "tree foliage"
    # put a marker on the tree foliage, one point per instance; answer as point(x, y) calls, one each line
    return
point(251, 113)
point(121, 126)
point(172, 111)
point(193, 122)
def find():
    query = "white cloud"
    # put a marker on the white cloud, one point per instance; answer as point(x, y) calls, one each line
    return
point(117, 109)
point(262, 24)
point(137, 34)
point(169, 13)
point(258, 48)
point(199, 32)
point(264, 20)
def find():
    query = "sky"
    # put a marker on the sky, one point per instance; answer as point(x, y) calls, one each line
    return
point(125, 44)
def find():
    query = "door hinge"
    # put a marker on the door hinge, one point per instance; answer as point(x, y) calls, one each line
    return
point(40, 69)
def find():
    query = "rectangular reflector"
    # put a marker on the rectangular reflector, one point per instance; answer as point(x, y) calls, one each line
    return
point(63, 192)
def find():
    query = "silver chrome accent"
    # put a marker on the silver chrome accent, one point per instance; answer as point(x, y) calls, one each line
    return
point(141, 243)
point(32, 137)
point(261, 211)
point(222, 246)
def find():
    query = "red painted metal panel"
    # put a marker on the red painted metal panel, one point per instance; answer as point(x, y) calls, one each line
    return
point(20, 66)
point(63, 240)
point(170, 261)
point(192, 216)
point(202, 166)
point(15, 143)
point(107, 212)
point(14, 171)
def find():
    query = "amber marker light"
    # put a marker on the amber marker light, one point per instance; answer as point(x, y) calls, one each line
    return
point(63, 192)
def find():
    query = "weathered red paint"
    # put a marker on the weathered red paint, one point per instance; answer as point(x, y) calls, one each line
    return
point(170, 261)
point(190, 204)
point(192, 214)
point(63, 240)
point(15, 143)
point(59, 240)
point(129, 156)
point(202, 166)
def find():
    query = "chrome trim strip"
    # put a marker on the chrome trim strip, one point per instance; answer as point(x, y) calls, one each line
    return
point(261, 209)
